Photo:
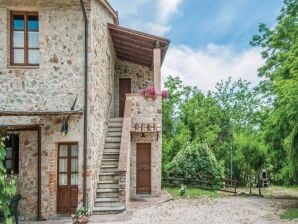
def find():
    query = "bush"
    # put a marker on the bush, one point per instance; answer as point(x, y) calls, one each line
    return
point(182, 190)
point(195, 160)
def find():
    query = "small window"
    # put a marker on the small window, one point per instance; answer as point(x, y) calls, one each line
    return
point(11, 162)
point(24, 39)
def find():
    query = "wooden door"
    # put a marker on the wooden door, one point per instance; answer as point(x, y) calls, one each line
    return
point(67, 194)
point(143, 168)
point(124, 87)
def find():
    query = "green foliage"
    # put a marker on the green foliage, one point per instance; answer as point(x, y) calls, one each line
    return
point(290, 215)
point(193, 160)
point(81, 216)
point(255, 126)
point(7, 183)
point(280, 51)
point(182, 190)
point(192, 117)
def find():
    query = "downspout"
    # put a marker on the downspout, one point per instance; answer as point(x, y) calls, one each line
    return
point(85, 105)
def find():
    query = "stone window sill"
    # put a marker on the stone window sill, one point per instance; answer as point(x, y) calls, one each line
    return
point(22, 67)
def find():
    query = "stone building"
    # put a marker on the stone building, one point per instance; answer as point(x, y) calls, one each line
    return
point(80, 132)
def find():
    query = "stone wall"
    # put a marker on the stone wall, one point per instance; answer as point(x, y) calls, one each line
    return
point(141, 77)
point(101, 94)
point(156, 143)
point(27, 177)
point(54, 84)
point(146, 111)
point(49, 139)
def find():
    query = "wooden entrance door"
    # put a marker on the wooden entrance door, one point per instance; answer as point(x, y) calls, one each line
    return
point(67, 194)
point(143, 168)
point(124, 87)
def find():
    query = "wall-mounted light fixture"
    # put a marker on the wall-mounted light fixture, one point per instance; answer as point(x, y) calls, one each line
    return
point(64, 127)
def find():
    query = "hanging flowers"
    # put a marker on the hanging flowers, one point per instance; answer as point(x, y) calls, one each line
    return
point(150, 92)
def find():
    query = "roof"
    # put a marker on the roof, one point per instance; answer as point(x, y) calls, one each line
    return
point(135, 46)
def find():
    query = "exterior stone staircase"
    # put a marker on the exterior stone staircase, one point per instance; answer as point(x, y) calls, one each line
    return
point(107, 200)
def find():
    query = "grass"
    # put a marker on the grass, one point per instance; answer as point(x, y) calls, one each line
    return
point(191, 193)
point(290, 215)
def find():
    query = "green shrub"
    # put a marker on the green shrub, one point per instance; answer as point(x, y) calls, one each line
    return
point(196, 160)
point(182, 190)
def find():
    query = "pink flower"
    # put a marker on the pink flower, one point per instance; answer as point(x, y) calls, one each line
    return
point(165, 94)
point(153, 97)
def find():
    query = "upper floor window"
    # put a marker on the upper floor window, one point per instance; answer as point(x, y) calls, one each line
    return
point(24, 41)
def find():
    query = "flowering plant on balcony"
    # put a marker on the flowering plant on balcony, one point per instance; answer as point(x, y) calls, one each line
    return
point(150, 92)
point(80, 217)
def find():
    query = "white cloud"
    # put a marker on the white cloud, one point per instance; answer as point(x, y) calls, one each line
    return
point(156, 28)
point(166, 8)
point(157, 24)
point(205, 67)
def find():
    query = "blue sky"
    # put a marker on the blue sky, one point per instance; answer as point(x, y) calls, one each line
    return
point(209, 39)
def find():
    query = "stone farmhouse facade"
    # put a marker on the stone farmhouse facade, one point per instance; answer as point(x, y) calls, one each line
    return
point(80, 132)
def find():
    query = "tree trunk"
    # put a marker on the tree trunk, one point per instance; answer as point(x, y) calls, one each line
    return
point(249, 180)
point(259, 183)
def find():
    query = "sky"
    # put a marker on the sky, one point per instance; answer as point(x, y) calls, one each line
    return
point(209, 38)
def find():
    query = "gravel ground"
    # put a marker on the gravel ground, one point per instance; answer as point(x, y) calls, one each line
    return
point(217, 210)
point(223, 210)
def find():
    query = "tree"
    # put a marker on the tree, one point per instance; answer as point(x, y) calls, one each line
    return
point(7, 184)
point(195, 159)
point(280, 51)
point(251, 154)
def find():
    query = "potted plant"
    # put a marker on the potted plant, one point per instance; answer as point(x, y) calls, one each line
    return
point(81, 216)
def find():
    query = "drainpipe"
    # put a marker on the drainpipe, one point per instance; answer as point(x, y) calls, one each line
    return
point(85, 104)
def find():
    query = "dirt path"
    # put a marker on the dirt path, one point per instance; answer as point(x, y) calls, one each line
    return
point(217, 210)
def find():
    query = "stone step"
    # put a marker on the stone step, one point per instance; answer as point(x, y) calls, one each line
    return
point(116, 119)
point(109, 168)
point(109, 176)
point(109, 182)
point(107, 193)
point(108, 186)
point(112, 150)
point(108, 210)
point(113, 139)
point(112, 146)
point(107, 190)
point(106, 162)
point(108, 204)
point(100, 200)
point(115, 125)
point(114, 129)
point(114, 134)
point(111, 155)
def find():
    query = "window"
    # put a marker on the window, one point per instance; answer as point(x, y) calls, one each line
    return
point(24, 40)
point(11, 162)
